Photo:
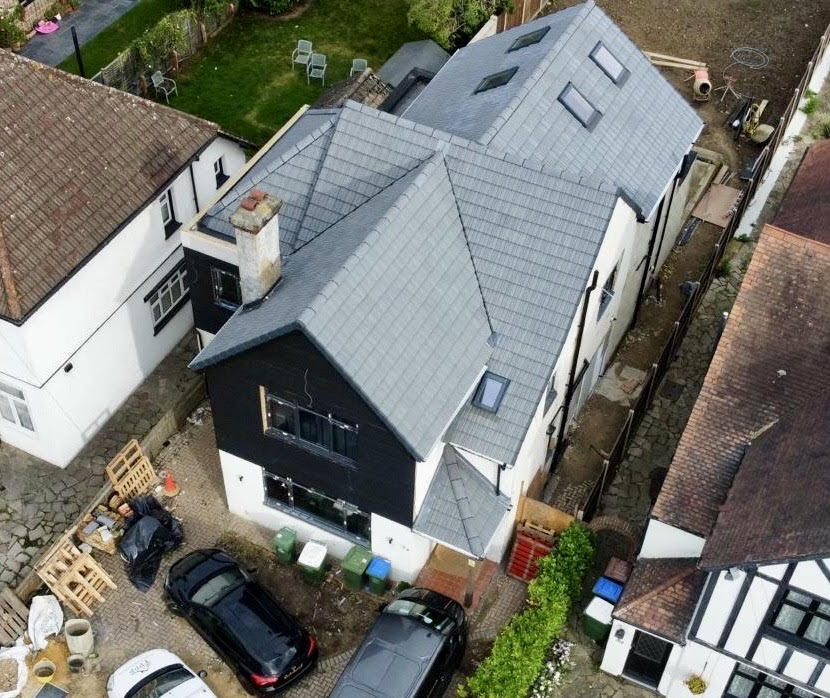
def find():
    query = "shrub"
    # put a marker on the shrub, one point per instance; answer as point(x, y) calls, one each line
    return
point(723, 269)
point(696, 685)
point(208, 8)
point(11, 33)
point(271, 7)
point(170, 34)
point(811, 102)
point(520, 650)
point(451, 23)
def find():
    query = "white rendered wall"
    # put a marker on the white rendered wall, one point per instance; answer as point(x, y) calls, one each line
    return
point(809, 577)
point(750, 616)
point(662, 540)
point(98, 322)
point(696, 660)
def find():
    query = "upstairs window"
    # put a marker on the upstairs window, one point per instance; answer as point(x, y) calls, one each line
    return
point(13, 407)
point(495, 80)
point(576, 103)
point(528, 39)
point(168, 213)
point(490, 391)
point(749, 683)
point(316, 431)
point(607, 292)
point(805, 617)
point(168, 297)
point(219, 172)
point(609, 64)
point(227, 292)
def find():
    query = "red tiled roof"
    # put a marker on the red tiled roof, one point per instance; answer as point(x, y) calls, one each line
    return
point(661, 596)
point(77, 159)
point(773, 359)
point(806, 206)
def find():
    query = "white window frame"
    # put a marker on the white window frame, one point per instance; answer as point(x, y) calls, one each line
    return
point(168, 212)
point(176, 287)
point(13, 404)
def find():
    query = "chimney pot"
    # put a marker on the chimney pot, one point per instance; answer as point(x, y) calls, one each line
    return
point(248, 203)
point(257, 194)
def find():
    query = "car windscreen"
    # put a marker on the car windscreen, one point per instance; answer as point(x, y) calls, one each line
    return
point(160, 682)
point(428, 616)
point(217, 586)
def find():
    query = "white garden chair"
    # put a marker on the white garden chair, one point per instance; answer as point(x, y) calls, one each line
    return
point(358, 66)
point(301, 54)
point(316, 68)
point(163, 85)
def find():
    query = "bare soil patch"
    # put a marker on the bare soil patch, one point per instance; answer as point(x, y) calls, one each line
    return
point(337, 616)
point(8, 675)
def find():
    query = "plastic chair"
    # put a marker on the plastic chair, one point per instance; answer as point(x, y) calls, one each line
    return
point(316, 68)
point(167, 86)
point(301, 54)
point(358, 66)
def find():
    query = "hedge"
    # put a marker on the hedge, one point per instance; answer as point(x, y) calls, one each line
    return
point(451, 23)
point(520, 649)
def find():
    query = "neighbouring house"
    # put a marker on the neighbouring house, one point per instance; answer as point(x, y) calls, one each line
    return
point(401, 315)
point(732, 582)
point(94, 292)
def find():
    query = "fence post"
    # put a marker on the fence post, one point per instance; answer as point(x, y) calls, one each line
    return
point(651, 381)
point(203, 31)
point(629, 424)
point(174, 58)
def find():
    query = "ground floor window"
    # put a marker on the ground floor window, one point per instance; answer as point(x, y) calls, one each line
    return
point(13, 407)
point(338, 514)
point(748, 683)
point(168, 297)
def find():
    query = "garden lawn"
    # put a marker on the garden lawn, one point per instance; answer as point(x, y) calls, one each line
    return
point(243, 79)
point(102, 49)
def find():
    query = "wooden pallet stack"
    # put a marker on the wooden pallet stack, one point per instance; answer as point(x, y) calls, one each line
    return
point(14, 618)
point(538, 526)
point(131, 472)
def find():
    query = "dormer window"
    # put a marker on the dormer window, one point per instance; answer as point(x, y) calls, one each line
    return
point(490, 392)
point(609, 64)
point(576, 103)
point(496, 80)
point(528, 39)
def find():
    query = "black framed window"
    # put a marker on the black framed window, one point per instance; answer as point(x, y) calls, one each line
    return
point(528, 39)
point(608, 64)
point(316, 431)
point(607, 292)
point(219, 171)
point(749, 683)
point(490, 392)
point(226, 289)
point(168, 213)
point(337, 514)
point(495, 80)
point(805, 617)
point(579, 106)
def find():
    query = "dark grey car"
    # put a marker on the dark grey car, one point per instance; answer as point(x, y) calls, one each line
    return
point(411, 651)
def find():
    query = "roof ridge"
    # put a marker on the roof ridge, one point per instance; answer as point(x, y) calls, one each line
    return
point(670, 582)
point(7, 278)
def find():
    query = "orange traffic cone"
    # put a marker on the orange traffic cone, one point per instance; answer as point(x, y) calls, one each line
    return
point(171, 489)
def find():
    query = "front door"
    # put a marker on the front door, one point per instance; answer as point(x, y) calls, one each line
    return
point(647, 659)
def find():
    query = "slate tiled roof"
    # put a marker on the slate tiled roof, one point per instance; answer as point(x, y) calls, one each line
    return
point(777, 507)
point(424, 55)
point(661, 595)
point(645, 129)
point(532, 236)
point(806, 206)
point(461, 509)
point(78, 159)
point(772, 362)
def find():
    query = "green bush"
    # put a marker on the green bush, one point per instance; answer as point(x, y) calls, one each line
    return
point(272, 7)
point(208, 8)
point(10, 32)
point(451, 23)
point(811, 102)
point(170, 34)
point(520, 649)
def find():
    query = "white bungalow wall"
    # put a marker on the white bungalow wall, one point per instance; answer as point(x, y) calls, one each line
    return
point(98, 322)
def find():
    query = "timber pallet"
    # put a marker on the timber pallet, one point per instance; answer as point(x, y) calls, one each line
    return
point(14, 618)
point(131, 472)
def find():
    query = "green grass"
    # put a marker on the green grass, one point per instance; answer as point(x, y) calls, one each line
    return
point(243, 79)
point(99, 51)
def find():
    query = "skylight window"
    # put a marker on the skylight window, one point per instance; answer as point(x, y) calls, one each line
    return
point(490, 392)
point(496, 80)
point(609, 64)
point(528, 39)
point(576, 103)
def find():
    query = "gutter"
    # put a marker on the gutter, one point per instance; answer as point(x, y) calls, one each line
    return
point(560, 437)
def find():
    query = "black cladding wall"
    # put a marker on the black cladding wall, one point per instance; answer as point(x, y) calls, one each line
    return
point(291, 367)
point(207, 315)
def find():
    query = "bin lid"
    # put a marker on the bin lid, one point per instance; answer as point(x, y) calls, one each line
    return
point(286, 533)
point(599, 609)
point(379, 568)
point(313, 555)
point(608, 589)
point(356, 559)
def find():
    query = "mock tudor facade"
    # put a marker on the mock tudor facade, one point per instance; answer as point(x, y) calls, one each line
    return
point(401, 314)
point(94, 292)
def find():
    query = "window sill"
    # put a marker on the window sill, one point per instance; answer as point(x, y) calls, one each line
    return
point(221, 179)
point(161, 324)
point(316, 521)
point(311, 448)
point(170, 228)
point(226, 305)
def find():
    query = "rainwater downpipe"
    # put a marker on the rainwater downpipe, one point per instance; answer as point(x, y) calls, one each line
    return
point(666, 221)
point(646, 261)
point(560, 437)
point(193, 184)
point(501, 467)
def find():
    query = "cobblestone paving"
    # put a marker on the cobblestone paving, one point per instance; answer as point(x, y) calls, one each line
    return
point(37, 499)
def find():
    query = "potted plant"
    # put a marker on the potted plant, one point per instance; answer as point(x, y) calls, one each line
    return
point(696, 685)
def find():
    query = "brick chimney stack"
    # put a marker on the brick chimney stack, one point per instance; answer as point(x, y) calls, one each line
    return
point(257, 230)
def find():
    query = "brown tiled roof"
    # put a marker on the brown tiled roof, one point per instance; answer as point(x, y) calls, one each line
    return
point(366, 88)
point(777, 507)
point(661, 596)
point(773, 358)
point(806, 205)
point(77, 160)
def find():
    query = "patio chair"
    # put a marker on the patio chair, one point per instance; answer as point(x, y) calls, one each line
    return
point(301, 54)
point(358, 66)
point(316, 68)
point(167, 86)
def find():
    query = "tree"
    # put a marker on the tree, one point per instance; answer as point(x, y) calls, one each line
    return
point(451, 22)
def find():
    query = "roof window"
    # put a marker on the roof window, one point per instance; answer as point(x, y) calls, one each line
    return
point(496, 80)
point(490, 392)
point(576, 103)
point(609, 64)
point(528, 39)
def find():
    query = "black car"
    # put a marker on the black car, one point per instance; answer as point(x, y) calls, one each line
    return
point(246, 626)
point(411, 651)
